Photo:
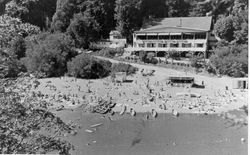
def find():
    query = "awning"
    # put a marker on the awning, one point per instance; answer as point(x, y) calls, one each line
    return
point(175, 34)
point(163, 34)
point(141, 34)
point(151, 34)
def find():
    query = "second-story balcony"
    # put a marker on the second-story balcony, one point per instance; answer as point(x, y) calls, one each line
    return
point(177, 49)
point(173, 45)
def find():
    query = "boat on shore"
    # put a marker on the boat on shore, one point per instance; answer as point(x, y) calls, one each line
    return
point(154, 113)
point(175, 113)
point(96, 125)
point(89, 131)
point(132, 112)
point(123, 110)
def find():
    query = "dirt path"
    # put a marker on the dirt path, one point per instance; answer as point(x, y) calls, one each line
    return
point(161, 73)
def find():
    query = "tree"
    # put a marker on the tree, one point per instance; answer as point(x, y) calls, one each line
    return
point(18, 47)
point(13, 27)
point(224, 28)
point(178, 8)
point(83, 31)
point(231, 60)
point(101, 14)
point(213, 8)
point(64, 12)
point(10, 67)
point(49, 54)
point(128, 14)
point(233, 28)
point(88, 67)
point(155, 9)
point(36, 12)
point(200, 9)
point(27, 127)
point(240, 21)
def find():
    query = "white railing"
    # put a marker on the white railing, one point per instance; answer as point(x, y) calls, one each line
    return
point(202, 49)
point(172, 41)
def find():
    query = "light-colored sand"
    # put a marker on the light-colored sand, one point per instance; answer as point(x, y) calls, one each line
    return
point(214, 98)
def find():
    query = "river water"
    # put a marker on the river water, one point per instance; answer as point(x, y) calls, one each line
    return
point(188, 134)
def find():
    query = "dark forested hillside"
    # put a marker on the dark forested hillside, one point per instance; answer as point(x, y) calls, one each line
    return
point(36, 12)
point(99, 17)
point(106, 15)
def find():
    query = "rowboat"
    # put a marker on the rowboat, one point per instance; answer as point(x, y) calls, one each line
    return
point(96, 125)
point(89, 131)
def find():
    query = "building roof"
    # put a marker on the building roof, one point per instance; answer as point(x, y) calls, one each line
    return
point(180, 24)
point(114, 32)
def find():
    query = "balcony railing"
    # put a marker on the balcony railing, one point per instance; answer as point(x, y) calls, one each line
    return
point(168, 49)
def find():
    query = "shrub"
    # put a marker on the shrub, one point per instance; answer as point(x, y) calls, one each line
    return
point(147, 57)
point(13, 27)
point(18, 47)
point(49, 54)
point(10, 67)
point(154, 61)
point(27, 127)
point(122, 67)
point(231, 60)
point(88, 67)
point(142, 56)
point(197, 62)
point(174, 55)
point(110, 52)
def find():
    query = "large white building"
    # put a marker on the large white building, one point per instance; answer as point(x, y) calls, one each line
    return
point(186, 35)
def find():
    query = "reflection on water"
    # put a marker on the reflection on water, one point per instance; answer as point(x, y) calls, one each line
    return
point(138, 136)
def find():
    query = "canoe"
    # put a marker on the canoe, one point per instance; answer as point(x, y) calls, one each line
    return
point(89, 131)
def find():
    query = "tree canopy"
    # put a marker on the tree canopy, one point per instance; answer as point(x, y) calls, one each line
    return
point(12, 27)
point(36, 12)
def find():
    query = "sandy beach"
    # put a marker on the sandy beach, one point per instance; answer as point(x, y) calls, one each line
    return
point(135, 94)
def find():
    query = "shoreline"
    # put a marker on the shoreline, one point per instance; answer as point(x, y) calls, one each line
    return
point(214, 98)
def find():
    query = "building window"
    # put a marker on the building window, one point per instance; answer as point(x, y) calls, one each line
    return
point(163, 37)
point(141, 45)
point(162, 45)
point(141, 37)
point(186, 45)
point(199, 45)
point(174, 45)
point(151, 45)
point(188, 36)
point(176, 37)
point(200, 36)
point(152, 37)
